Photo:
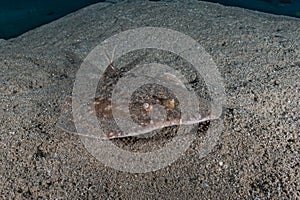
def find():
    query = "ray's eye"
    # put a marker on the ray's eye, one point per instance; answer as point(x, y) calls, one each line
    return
point(147, 107)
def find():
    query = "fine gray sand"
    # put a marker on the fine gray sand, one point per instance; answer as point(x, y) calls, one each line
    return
point(257, 155)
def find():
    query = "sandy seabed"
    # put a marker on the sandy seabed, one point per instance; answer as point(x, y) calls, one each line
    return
point(256, 157)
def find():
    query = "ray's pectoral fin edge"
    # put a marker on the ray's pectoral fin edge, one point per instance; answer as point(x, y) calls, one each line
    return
point(65, 121)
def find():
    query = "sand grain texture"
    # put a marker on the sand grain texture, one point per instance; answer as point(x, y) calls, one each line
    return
point(257, 155)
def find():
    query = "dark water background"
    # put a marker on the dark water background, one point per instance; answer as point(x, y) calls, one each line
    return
point(280, 7)
point(19, 16)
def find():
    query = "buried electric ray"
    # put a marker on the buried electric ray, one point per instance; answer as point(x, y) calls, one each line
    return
point(162, 100)
point(154, 107)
